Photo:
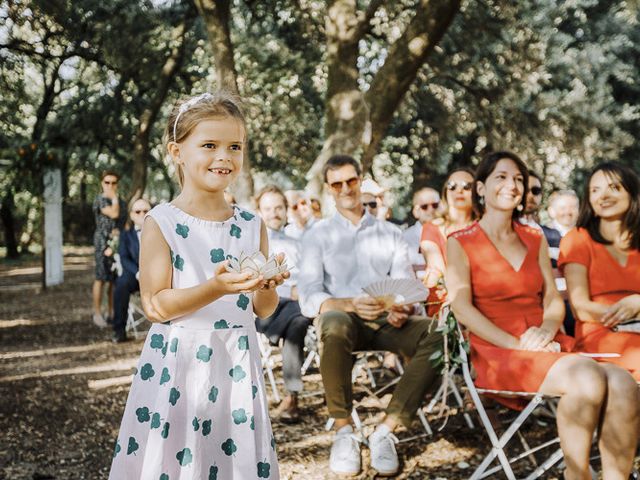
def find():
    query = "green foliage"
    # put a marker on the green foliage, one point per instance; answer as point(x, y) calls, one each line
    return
point(447, 357)
point(554, 81)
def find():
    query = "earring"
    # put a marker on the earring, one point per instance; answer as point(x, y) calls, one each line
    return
point(519, 207)
point(481, 200)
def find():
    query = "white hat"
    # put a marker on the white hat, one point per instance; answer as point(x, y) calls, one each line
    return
point(372, 187)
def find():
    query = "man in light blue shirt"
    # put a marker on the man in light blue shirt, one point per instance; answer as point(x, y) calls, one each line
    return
point(340, 256)
point(286, 323)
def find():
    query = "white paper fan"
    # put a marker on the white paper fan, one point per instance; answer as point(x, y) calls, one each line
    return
point(257, 265)
point(401, 291)
point(628, 326)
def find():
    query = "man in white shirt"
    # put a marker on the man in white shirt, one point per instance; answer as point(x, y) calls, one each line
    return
point(299, 213)
point(563, 210)
point(287, 322)
point(344, 254)
point(426, 203)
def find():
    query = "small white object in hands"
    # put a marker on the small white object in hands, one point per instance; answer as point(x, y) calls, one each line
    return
point(258, 265)
point(402, 291)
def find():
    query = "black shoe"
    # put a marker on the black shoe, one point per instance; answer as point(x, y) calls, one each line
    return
point(119, 337)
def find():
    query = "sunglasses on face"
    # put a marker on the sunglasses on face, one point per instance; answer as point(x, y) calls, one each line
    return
point(337, 186)
point(452, 186)
point(433, 205)
point(107, 182)
point(138, 212)
point(370, 204)
point(300, 203)
point(536, 191)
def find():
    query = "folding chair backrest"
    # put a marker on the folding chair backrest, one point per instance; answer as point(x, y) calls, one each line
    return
point(499, 443)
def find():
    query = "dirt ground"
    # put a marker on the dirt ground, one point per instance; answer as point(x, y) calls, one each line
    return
point(63, 388)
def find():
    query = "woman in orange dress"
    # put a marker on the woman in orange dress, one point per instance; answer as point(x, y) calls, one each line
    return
point(601, 262)
point(502, 289)
point(456, 197)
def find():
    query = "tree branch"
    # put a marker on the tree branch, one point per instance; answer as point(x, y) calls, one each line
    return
point(406, 56)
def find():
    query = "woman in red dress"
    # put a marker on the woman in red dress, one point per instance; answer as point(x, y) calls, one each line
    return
point(601, 262)
point(456, 198)
point(502, 289)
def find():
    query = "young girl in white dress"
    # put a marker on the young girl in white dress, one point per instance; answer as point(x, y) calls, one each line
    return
point(197, 408)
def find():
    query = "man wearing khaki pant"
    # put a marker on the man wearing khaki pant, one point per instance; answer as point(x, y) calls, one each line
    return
point(340, 256)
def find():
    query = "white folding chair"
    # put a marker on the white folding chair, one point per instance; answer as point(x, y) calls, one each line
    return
point(268, 363)
point(499, 444)
point(448, 388)
point(311, 349)
point(136, 318)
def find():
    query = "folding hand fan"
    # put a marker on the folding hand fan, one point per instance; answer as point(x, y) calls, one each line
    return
point(402, 291)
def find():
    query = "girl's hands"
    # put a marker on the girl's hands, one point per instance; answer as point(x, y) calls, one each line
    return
point(621, 311)
point(279, 279)
point(536, 340)
point(229, 282)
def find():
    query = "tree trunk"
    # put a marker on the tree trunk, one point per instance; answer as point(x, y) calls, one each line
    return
point(356, 121)
point(48, 98)
point(406, 56)
point(345, 110)
point(9, 224)
point(141, 149)
point(216, 15)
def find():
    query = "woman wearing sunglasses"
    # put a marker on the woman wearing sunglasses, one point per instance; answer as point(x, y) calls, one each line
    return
point(110, 213)
point(458, 214)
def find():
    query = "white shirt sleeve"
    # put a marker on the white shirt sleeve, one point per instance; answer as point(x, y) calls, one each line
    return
point(311, 289)
point(401, 265)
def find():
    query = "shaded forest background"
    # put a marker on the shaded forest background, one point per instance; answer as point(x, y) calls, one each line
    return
point(410, 87)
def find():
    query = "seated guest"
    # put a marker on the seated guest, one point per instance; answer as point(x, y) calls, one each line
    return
point(601, 262)
point(127, 282)
point(286, 322)
point(530, 217)
point(346, 253)
point(502, 289)
point(299, 214)
point(563, 210)
point(370, 203)
point(426, 204)
point(316, 207)
point(458, 214)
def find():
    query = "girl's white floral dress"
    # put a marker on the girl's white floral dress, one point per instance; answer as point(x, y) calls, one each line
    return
point(197, 408)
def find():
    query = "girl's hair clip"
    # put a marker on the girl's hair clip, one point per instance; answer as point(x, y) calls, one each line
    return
point(186, 106)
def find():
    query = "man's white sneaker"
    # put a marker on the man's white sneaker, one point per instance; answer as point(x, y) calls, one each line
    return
point(345, 453)
point(99, 320)
point(384, 458)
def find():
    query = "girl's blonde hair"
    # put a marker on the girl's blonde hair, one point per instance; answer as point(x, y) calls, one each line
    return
point(189, 112)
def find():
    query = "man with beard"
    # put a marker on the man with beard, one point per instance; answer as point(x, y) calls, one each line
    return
point(287, 322)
